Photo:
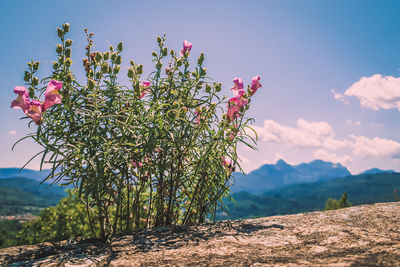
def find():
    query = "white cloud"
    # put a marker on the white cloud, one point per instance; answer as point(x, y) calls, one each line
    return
point(340, 97)
point(353, 123)
point(305, 135)
point(320, 138)
point(332, 157)
point(374, 147)
point(377, 92)
point(12, 132)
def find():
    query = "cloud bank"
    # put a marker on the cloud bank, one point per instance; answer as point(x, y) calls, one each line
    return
point(320, 136)
point(375, 92)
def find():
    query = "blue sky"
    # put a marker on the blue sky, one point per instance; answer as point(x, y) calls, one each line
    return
point(329, 69)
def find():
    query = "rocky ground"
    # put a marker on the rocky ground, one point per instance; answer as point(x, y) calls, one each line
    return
point(367, 235)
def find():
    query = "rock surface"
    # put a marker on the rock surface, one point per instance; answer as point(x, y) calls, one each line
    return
point(367, 235)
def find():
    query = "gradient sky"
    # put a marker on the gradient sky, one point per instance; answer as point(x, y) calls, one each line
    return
point(329, 69)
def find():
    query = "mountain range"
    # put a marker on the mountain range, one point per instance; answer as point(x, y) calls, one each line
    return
point(20, 192)
point(305, 197)
point(274, 176)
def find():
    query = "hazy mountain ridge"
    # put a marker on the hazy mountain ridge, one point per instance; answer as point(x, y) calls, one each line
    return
point(306, 197)
point(26, 173)
point(274, 176)
point(20, 195)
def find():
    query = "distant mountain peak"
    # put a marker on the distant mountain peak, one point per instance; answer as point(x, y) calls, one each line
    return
point(274, 176)
point(376, 170)
point(281, 162)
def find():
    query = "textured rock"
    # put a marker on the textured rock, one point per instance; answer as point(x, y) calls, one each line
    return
point(367, 235)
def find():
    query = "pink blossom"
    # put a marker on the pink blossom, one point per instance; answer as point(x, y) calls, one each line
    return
point(145, 89)
point(255, 84)
point(237, 88)
point(186, 47)
point(234, 105)
point(35, 111)
point(22, 100)
point(233, 112)
point(136, 164)
point(51, 95)
point(226, 162)
point(197, 115)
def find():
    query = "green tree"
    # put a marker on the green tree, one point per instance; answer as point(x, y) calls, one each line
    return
point(8, 231)
point(66, 220)
point(333, 204)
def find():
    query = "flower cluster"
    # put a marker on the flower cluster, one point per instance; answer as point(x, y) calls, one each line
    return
point(240, 98)
point(34, 108)
point(236, 103)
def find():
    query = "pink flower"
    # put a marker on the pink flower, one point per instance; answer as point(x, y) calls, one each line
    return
point(145, 89)
point(186, 47)
point(197, 115)
point(51, 95)
point(226, 162)
point(233, 112)
point(234, 105)
point(237, 88)
point(255, 84)
point(22, 100)
point(136, 164)
point(35, 111)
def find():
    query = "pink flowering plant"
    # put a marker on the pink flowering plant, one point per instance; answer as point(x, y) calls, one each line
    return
point(157, 152)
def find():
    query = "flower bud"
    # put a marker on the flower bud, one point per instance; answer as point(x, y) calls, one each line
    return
point(179, 63)
point(165, 51)
point(36, 65)
point(172, 52)
point(139, 69)
point(167, 70)
point(68, 62)
point(159, 65)
point(93, 56)
point(68, 52)
point(98, 75)
point(61, 60)
point(60, 32)
point(218, 87)
point(91, 83)
point(159, 39)
point(132, 63)
point(30, 64)
point(66, 27)
point(90, 73)
point(98, 57)
point(104, 67)
point(203, 71)
point(70, 78)
point(68, 43)
point(59, 49)
point(106, 55)
point(201, 59)
point(154, 54)
point(208, 88)
point(35, 80)
point(113, 56)
point(120, 47)
point(118, 60)
point(111, 48)
point(55, 65)
point(131, 73)
point(27, 76)
point(116, 69)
